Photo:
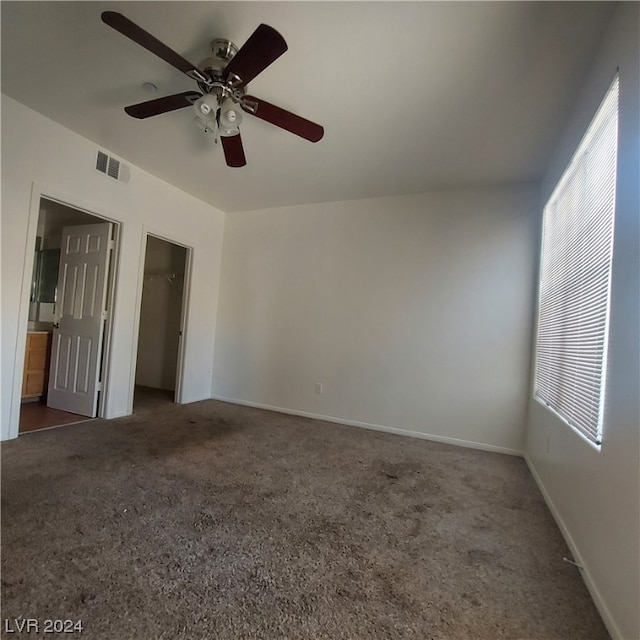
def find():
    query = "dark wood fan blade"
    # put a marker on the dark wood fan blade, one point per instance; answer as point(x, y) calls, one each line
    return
point(263, 47)
point(162, 105)
point(282, 118)
point(233, 150)
point(132, 31)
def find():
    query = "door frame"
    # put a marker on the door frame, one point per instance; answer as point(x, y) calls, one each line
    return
point(39, 191)
point(184, 312)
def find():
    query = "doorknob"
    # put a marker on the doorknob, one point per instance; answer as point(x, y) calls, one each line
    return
point(56, 325)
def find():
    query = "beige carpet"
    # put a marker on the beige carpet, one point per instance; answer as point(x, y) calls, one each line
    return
point(221, 522)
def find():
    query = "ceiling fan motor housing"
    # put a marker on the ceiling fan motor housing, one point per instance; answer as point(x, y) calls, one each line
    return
point(222, 51)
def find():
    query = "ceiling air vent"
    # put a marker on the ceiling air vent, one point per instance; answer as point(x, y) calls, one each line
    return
point(111, 167)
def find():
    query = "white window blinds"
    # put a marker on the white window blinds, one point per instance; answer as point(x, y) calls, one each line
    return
point(575, 278)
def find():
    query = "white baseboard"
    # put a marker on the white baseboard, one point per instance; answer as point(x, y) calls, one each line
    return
point(375, 427)
point(190, 399)
point(609, 623)
point(116, 414)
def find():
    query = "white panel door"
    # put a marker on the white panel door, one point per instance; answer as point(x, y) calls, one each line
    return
point(77, 335)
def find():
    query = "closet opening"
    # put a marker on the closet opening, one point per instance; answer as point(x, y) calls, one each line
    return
point(162, 320)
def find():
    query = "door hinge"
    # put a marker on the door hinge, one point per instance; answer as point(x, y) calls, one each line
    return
point(111, 245)
point(99, 386)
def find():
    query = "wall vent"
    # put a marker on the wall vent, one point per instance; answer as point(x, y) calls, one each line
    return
point(113, 168)
point(101, 163)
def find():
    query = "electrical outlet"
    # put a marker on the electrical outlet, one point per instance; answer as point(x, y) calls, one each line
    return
point(319, 388)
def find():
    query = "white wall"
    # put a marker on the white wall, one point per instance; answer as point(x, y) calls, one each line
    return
point(414, 312)
point(595, 496)
point(160, 314)
point(61, 163)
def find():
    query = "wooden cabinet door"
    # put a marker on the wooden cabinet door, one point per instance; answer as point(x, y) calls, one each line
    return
point(36, 365)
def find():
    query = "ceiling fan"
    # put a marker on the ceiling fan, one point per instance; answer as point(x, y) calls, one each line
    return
point(222, 79)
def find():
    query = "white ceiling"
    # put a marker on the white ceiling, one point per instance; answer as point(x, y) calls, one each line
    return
point(413, 96)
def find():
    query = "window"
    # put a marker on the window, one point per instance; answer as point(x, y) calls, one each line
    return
point(575, 279)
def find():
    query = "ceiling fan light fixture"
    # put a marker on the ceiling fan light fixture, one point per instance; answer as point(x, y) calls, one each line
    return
point(206, 125)
point(206, 106)
point(205, 109)
point(230, 118)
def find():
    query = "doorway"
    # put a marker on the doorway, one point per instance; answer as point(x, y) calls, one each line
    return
point(160, 334)
point(37, 408)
